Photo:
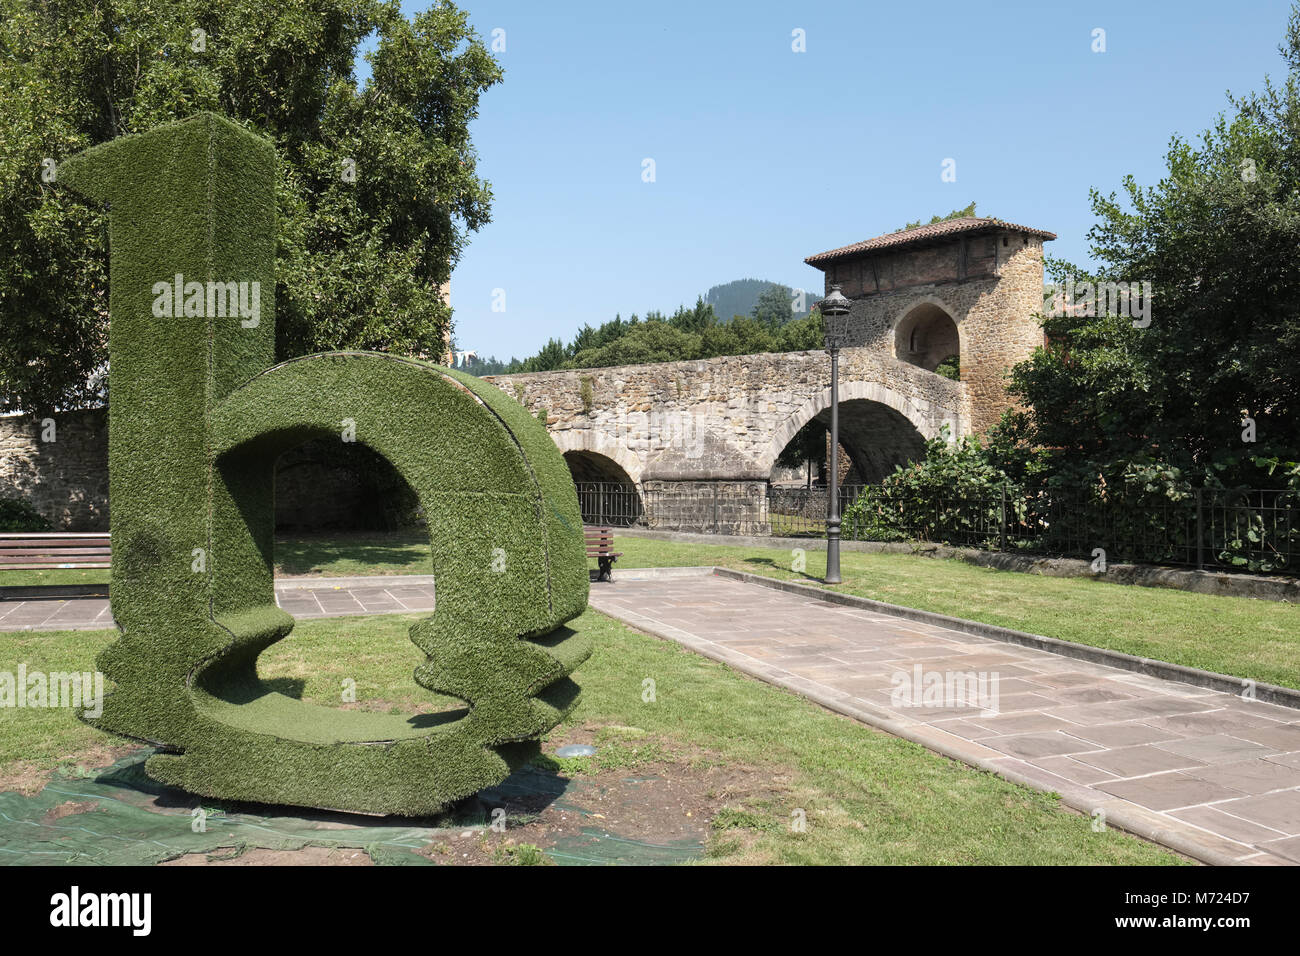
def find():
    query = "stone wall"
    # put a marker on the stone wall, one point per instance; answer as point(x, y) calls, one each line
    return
point(718, 507)
point(66, 478)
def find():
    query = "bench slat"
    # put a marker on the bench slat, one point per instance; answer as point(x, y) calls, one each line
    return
point(52, 559)
point(53, 545)
point(55, 535)
point(88, 549)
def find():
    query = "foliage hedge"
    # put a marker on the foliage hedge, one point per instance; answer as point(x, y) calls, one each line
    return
point(17, 515)
point(967, 494)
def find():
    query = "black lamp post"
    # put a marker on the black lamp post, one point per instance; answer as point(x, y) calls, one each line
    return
point(834, 308)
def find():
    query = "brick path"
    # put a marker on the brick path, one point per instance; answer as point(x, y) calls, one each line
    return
point(319, 597)
point(1203, 771)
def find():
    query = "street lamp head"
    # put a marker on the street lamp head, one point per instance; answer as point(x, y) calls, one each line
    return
point(835, 310)
point(835, 303)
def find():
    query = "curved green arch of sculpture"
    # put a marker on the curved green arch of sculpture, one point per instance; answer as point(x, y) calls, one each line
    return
point(197, 420)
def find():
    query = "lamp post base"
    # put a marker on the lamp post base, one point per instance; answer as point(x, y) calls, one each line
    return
point(833, 554)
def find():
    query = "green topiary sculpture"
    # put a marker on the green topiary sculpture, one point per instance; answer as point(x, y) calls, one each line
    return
point(197, 419)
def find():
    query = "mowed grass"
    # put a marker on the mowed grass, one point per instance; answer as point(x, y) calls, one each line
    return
point(867, 797)
point(46, 576)
point(1255, 640)
point(348, 554)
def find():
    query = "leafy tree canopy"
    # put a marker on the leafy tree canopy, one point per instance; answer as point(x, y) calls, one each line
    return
point(689, 333)
point(965, 213)
point(1218, 364)
point(360, 259)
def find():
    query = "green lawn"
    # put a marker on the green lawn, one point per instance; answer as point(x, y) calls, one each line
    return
point(868, 797)
point(1258, 640)
point(47, 576)
point(350, 554)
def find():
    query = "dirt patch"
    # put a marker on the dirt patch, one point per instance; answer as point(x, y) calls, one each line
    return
point(69, 808)
point(30, 777)
point(26, 778)
point(638, 800)
point(307, 856)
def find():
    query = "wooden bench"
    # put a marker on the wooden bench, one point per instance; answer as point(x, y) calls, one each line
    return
point(600, 545)
point(32, 552)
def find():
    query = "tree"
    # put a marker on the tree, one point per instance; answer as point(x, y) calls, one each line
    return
point(695, 319)
point(807, 447)
point(965, 213)
point(774, 306)
point(740, 336)
point(651, 341)
point(360, 258)
point(801, 335)
point(552, 356)
point(1217, 240)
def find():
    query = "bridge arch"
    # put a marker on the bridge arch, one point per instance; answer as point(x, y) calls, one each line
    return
point(590, 441)
point(606, 476)
point(878, 427)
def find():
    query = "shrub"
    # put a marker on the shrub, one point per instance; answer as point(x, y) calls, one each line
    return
point(17, 515)
point(952, 495)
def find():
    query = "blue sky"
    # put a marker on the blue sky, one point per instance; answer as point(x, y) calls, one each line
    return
point(764, 156)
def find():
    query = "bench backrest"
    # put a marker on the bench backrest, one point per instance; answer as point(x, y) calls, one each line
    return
point(48, 549)
point(598, 539)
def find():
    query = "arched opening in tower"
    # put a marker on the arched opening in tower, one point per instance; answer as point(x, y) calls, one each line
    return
point(927, 336)
point(607, 495)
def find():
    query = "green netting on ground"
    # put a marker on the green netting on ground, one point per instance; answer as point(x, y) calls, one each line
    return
point(139, 821)
point(121, 817)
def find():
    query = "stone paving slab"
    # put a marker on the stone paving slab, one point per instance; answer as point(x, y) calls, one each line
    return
point(1211, 774)
point(311, 599)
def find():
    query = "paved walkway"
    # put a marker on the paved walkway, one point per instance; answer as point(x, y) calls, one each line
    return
point(1204, 771)
point(301, 597)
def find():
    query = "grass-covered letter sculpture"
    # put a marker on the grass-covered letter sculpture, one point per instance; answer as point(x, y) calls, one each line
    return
point(197, 418)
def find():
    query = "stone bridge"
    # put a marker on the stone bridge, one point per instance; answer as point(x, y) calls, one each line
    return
point(962, 293)
point(727, 419)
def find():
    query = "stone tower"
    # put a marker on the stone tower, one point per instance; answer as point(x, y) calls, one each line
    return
point(964, 289)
